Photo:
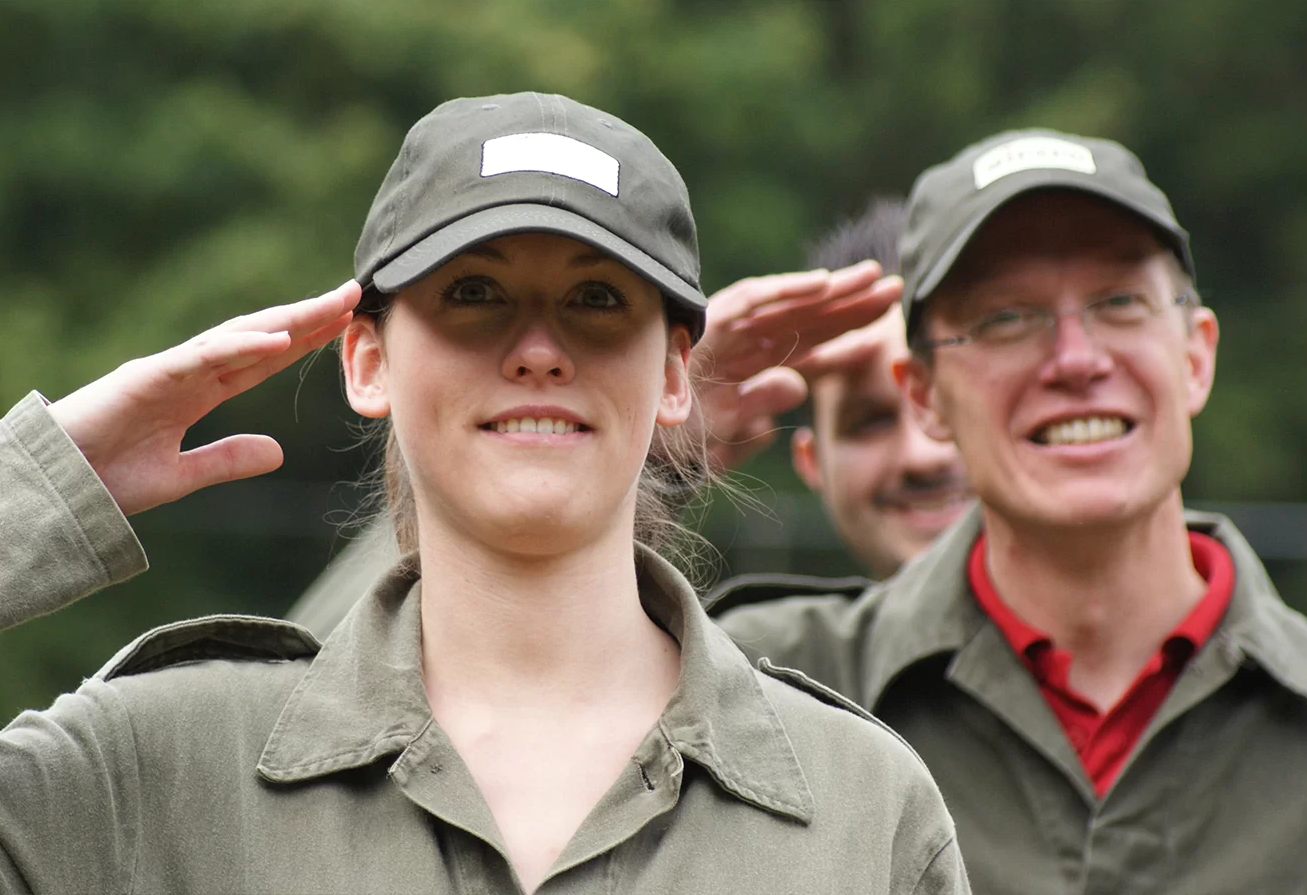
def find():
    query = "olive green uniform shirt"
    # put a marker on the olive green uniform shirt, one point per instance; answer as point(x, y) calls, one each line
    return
point(1212, 800)
point(236, 754)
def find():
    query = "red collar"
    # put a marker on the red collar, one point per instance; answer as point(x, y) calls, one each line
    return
point(1210, 558)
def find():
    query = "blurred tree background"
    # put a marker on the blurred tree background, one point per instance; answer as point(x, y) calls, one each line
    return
point(165, 165)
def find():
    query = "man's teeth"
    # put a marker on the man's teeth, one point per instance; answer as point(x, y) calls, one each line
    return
point(544, 426)
point(1083, 431)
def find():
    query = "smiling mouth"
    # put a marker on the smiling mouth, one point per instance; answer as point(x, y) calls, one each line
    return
point(1084, 430)
point(534, 425)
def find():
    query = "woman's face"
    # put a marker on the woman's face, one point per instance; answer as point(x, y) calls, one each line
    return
point(523, 379)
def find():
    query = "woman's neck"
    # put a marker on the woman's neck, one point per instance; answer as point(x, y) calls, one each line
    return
point(501, 628)
point(1110, 596)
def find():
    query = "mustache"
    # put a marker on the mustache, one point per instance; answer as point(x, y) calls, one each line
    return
point(914, 487)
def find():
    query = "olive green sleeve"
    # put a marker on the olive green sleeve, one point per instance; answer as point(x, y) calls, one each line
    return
point(62, 535)
point(69, 797)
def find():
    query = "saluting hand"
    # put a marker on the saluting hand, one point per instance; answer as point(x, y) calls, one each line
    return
point(759, 334)
point(129, 424)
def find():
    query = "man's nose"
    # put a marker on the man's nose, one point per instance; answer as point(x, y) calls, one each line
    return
point(1076, 356)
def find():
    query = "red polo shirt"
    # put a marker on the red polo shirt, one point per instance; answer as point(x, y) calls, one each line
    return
point(1104, 740)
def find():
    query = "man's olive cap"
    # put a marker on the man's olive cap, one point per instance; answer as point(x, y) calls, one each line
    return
point(475, 169)
point(950, 202)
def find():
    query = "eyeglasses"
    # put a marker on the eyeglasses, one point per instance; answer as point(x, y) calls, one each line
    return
point(1108, 318)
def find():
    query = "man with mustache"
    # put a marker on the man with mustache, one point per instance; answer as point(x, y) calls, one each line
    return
point(1108, 690)
point(888, 489)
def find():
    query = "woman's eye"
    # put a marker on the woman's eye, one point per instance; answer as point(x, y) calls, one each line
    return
point(471, 291)
point(600, 296)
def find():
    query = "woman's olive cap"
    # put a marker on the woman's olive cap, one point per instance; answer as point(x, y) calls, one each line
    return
point(479, 168)
point(950, 202)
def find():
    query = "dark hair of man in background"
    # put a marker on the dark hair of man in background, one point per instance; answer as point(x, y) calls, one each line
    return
point(872, 234)
point(887, 489)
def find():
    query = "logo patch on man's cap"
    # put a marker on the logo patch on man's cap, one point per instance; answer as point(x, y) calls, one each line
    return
point(550, 154)
point(1028, 153)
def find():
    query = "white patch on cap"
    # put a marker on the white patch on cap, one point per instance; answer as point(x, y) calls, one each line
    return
point(1028, 153)
point(550, 154)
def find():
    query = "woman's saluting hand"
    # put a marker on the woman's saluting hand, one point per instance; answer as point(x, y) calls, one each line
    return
point(129, 424)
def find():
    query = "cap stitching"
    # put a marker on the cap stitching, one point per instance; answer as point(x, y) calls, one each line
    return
point(407, 154)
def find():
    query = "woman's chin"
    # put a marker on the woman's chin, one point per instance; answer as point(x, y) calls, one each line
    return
point(542, 528)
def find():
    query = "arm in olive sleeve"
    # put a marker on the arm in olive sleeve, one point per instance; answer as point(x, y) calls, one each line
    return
point(69, 797)
point(62, 535)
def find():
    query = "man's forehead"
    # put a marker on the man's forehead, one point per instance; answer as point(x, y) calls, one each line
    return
point(1059, 226)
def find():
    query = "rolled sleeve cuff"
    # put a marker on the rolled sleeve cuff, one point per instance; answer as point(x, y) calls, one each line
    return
point(62, 535)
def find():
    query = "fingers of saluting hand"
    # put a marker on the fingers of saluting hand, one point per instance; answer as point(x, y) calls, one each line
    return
point(853, 278)
point(855, 348)
point(771, 392)
point(865, 307)
point(788, 331)
point(751, 423)
point(745, 296)
point(754, 294)
point(246, 350)
point(220, 352)
point(237, 380)
point(228, 459)
point(814, 317)
point(298, 318)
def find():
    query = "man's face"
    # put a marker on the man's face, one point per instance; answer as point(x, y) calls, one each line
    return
point(1076, 425)
point(888, 489)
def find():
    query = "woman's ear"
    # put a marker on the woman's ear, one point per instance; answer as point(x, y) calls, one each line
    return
point(364, 362)
point(916, 381)
point(678, 396)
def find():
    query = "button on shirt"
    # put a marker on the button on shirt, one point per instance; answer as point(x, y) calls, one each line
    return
point(1104, 740)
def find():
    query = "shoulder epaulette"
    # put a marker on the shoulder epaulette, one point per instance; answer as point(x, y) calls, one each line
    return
point(249, 637)
point(822, 693)
point(743, 590)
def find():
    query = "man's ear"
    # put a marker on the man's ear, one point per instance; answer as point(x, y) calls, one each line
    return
point(678, 397)
point(916, 381)
point(1200, 352)
point(803, 454)
point(364, 363)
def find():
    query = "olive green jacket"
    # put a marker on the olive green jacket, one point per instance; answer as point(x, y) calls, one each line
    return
point(236, 754)
point(1213, 799)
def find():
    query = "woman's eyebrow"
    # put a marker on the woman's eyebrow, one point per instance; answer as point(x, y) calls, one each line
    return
point(589, 259)
point(485, 252)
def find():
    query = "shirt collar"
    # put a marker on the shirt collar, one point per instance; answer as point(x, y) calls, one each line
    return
point(1258, 625)
point(1211, 560)
point(924, 610)
point(928, 609)
point(362, 696)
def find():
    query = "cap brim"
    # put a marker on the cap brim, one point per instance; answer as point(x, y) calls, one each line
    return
point(434, 250)
point(1178, 241)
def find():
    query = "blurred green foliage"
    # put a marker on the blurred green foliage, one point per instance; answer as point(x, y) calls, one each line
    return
point(165, 165)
